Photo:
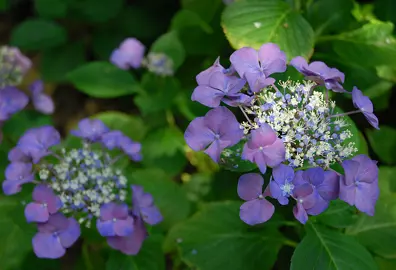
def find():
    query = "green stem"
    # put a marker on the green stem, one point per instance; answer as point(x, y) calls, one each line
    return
point(290, 243)
point(87, 261)
point(170, 118)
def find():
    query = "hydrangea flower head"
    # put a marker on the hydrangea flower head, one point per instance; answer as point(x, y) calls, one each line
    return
point(359, 186)
point(365, 105)
point(257, 66)
point(256, 209)
point(320, 73)
point(41, 101)
point(79, 186)
point(14, 66)
point(214, 132)
point(12, 101)
point(129, 54)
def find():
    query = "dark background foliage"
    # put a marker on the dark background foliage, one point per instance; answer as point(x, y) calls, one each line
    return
point(69, 42)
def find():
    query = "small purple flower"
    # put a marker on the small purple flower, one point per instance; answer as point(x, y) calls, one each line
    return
point(256, 209)
point(143, 204)
point(203, 78)
point(12, 101)
point(320, 73)
point(220, 86)
point(36, 142)
point(55, 236)
point(132, 243)
point(359, 186)
point(111, 139)
point(17, 174)
point(281, 187)
point(214, 132)
point(256, 67)
point(114, 220)
point(16, 155)
point(131, 149)
point(21, 61)
point(90, 130)
point(264, 148)
point(364, 104)
point(129, 54)
point(303, 195)
point(41, 101)
point(45, 203)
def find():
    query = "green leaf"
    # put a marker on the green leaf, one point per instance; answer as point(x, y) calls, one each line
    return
point(254, 23)
point(328, 16)
point(91, 10)
point(186, 19)
point(16, 237)
point(373, 40)
point(103, 80)
point(51, 8)
point(163, 142)
point(206, 9)
point(338, 215)
point(150, 257)
point(170, 45)
point(384, 264)
point(383, 142)
point(131, 126)
point(57, 62)
point(38, 34)
point(215, 238)
point(385, 10)
point(20, 122)
point(159, 93)
point(387, 180)
point(168, 196)
point(171, 165)
point(230, 159)
point(323, 249)
point(378, 233)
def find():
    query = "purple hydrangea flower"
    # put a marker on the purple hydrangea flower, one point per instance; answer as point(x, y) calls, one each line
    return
point(111, 139)
point(264, 148)
point(90, 129)
point(114, 220)
point(143, 204)
point(364, 104)
point(129, 55)
point(320, 73)
point(117, 140)
point(219, 88)
point(257, 66)
point(12, 101)
point(203, 78)
point(314, 188)
point(41, 101)
point(281, 187)
point(132, 243)
point(45, 203)
point(214, 132)
point(256, 209)
point(55, 236)
point(17, 174)
point(21, 61)
point(359, 186)
point(17, 155)
point(36, 142)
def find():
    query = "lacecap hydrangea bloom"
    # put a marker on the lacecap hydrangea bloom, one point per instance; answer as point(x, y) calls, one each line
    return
point(290, 126)
point(130, 54)
point(80, 186)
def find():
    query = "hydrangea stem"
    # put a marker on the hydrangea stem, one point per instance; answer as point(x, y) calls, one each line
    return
point(87, 261)
point(343, 114)
point(244, 113)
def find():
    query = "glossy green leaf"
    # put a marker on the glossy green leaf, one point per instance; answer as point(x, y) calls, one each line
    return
point(38, 34)
point(253, 23)
point(150, 257)
point(57, 62)
point(163, 142)
point(130, 125)
point(383, 142)
point(230, 159)
point(385, 264)
point(170, 45)
point(187, 19)
point(215, 238)
point(325, 249)
point(385, 10)
point(168, 196)
point(206, 9)
point(373, 40)
point(103, 80)
point(51, 8)
point(338, 215)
